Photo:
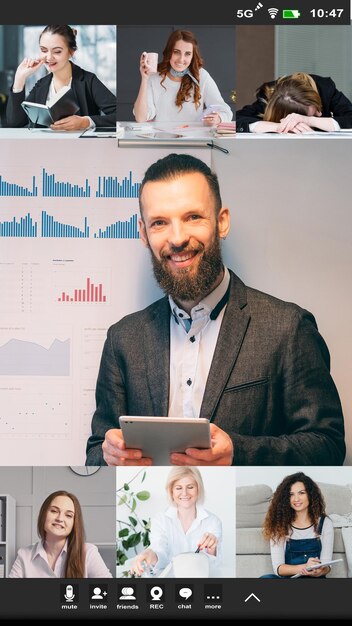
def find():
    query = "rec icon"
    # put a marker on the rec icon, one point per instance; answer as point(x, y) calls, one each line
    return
point(156, 596)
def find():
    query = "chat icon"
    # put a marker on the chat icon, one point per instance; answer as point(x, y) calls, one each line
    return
point(185, 593)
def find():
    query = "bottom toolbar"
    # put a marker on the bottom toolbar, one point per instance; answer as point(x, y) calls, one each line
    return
point(201, 598)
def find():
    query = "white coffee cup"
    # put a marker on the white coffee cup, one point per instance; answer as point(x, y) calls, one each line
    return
point(151, 60)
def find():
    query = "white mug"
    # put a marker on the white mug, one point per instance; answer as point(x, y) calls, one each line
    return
point(151, 59)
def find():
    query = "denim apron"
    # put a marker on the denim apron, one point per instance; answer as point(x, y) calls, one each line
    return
point(298, 551)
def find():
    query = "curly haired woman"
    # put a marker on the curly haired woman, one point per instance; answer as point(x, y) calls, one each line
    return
point(300, 533)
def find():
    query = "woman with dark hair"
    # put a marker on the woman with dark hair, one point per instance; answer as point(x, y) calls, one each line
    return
point(181, 89)
point(61, 551)
point(97, 105)
point(298, 103)
point(300, 533)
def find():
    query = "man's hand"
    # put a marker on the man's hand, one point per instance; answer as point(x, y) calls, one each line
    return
point(116, 453)
point(220, 453)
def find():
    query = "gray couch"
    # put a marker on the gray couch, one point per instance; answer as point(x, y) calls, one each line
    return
point(253, 552)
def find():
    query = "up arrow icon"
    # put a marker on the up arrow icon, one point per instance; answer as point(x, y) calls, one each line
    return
point(252, 595)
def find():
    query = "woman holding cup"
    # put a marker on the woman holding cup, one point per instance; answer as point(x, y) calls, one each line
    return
point(179, 89)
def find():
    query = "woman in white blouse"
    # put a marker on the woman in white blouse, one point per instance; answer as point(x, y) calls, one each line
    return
point(184, 527)
point(300, 533)
point(181, 89)
point(62, 551)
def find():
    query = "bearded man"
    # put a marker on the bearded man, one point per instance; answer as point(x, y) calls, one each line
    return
point(252, 364)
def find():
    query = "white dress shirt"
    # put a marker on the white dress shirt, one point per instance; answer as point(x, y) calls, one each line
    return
point(53, 96)
point(167, 537)
point(191, 352)
point(162, 100)
point(32, 562)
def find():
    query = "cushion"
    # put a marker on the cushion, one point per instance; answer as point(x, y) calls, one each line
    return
point(337, 498)
point(252, 503)
point(251, 541)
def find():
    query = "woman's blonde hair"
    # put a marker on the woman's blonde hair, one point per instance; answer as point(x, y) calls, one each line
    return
point(291, 94)
point(177, 473)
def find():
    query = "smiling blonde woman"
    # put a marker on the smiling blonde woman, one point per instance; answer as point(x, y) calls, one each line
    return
point(184, 527)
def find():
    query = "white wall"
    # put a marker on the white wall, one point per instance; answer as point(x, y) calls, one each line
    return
point(272, 476)
point(290, 201)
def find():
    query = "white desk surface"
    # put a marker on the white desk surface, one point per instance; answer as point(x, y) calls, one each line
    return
point(346, 133)
point(37, 133)
point(154, 130)
point(130, 131)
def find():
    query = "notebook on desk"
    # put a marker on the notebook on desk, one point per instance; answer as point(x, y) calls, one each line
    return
point(63, 106)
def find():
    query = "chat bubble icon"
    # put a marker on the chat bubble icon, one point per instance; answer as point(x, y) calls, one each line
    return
point(185, 592)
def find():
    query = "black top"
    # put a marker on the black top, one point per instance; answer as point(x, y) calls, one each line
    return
point(335, 104)
point(93, 99)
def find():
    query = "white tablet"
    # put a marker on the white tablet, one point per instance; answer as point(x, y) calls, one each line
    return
point(323, 564)
point(158, 437)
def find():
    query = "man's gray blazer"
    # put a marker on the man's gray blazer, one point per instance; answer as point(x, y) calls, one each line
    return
point(269, 385)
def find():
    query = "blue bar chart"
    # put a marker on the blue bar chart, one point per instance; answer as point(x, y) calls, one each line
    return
point(105, 186)
point(14, 190)
point(52, 188)
point(22, 227)
point(110, 187)
point(52, 228)
point(120, 230)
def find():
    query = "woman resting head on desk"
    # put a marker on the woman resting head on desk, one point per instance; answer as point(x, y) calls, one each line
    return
point(300, 534)
point(184, 527)
point(61, 551)
point(298, 103)
point(181, 89)
point(57, 46)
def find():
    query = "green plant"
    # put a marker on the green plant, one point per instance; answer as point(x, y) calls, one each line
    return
point(134, 533)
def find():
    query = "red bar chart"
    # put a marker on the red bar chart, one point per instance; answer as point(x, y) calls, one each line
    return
point(91, 293)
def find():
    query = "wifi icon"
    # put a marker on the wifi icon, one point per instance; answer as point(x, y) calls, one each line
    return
point(273, 13)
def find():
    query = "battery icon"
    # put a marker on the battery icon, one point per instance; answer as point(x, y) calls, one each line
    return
point(291, 14)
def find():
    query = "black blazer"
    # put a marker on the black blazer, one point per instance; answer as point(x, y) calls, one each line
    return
point(93, 98)
point(269, 385)
point(335, 104)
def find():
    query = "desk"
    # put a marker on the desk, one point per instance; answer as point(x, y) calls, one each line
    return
point(344, 133)
point(166, 134)
point(37, 133)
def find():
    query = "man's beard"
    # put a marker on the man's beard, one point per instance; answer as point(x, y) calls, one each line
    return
point(185, 284)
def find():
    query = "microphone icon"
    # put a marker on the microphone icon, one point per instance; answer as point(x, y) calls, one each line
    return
point(69, 595)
